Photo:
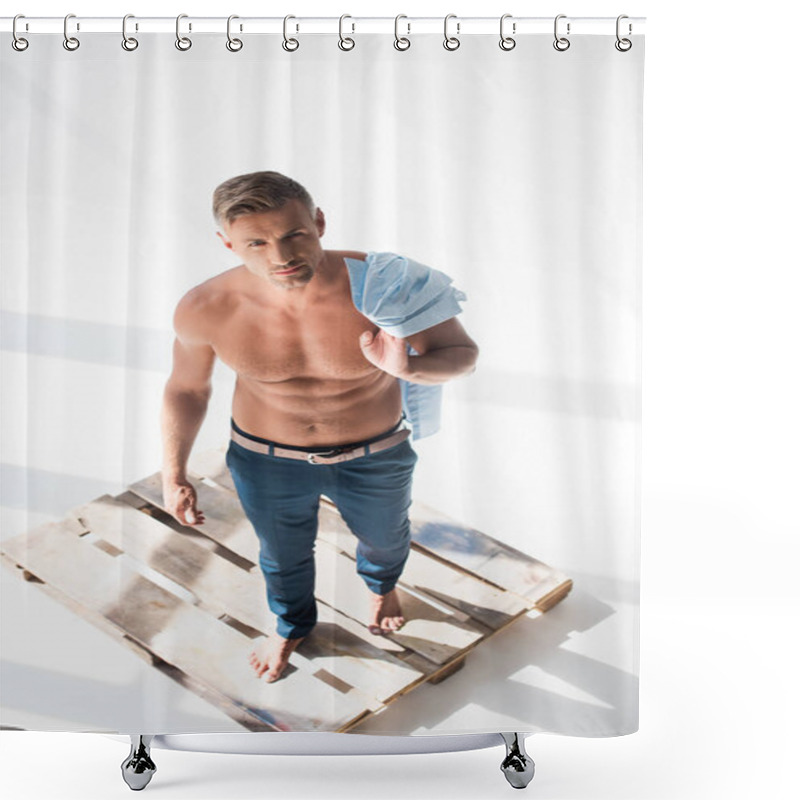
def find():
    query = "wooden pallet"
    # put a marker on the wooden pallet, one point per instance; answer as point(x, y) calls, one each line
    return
point(192, 601)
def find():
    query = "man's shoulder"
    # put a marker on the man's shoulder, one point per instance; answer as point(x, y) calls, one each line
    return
point(199, 307)
point(214, 288)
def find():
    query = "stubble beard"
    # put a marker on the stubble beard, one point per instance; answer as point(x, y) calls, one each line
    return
point(295, 281)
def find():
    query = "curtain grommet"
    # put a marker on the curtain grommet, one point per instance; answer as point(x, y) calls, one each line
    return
point(183, 43)
point(507, 42)
point(561, 43)
point(129, 43)
point(346, 43)
point(289, 44)
point(401, 42)
point(623, 44)
point(451, 42)
point(234, 45)
point(19, 43)
point(70, 43)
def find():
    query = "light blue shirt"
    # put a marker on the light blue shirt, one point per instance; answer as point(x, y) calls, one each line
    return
point(404, 297)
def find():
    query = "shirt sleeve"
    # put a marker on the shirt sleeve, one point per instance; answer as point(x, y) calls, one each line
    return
point(402, 296)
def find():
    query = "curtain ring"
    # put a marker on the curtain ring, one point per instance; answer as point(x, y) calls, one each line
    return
point(346, 43)
point(290, 45)
point(128, 42)
point(401, 42)
point(623, 45)
point(234, 45)
point(182, 42)
point(507, 42)
point(70, 42)
point(18, 43)
point(451, 42)
point(561, 43)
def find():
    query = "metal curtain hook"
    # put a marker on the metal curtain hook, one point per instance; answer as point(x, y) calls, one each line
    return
point(561, 43)
point(623, 45)
point(401, 42)
point(346, 43)
point(182, 42)
point(289, 45)
point(451, 42)
point(70, 42)
point(128, 42)
point(234, 45)
point(18, 43)
point(507, 42)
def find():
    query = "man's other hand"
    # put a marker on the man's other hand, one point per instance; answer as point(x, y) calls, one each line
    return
point(180, 500)
point(386, 352)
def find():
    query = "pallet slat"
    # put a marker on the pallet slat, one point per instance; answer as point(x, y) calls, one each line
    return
point(478, 553)
point(195, 642)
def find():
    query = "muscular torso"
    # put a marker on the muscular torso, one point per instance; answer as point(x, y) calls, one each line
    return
point(301, 376)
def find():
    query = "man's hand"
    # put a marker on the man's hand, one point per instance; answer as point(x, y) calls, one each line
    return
point(180, 500)
point(386, 352)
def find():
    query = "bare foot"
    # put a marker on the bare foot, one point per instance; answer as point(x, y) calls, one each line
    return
point(386, 614)
point(272, 655)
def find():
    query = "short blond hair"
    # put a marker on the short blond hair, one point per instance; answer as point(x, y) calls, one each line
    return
point(255, 193)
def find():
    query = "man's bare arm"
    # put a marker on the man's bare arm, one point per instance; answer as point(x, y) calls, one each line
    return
point(185, 403)
point(445, 352)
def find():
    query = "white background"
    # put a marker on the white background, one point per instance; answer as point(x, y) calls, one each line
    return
point(720, 600)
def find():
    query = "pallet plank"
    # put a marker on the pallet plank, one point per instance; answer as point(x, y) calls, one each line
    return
point(183, 635)
point(225, 520)
point(215, 580)
point(478, 553)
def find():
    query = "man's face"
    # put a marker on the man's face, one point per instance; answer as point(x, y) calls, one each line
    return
point(282, 245)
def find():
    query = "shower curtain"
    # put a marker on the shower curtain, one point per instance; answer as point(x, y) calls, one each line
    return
point(482, 219)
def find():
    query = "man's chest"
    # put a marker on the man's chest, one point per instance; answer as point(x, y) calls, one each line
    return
point(272, 346)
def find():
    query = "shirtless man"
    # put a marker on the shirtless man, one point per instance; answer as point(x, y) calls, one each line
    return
point(317, 407)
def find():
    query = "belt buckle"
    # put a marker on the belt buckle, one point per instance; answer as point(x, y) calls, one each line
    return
point(312, 457)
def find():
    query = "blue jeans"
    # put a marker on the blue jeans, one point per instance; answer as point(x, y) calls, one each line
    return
point(280, 497)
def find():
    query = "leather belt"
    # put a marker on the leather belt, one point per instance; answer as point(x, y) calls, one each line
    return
point(333, 456)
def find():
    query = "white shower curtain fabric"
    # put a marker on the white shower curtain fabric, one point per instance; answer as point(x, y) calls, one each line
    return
point(517, 176)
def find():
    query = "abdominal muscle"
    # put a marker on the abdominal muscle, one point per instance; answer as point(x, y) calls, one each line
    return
point(312, 412)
